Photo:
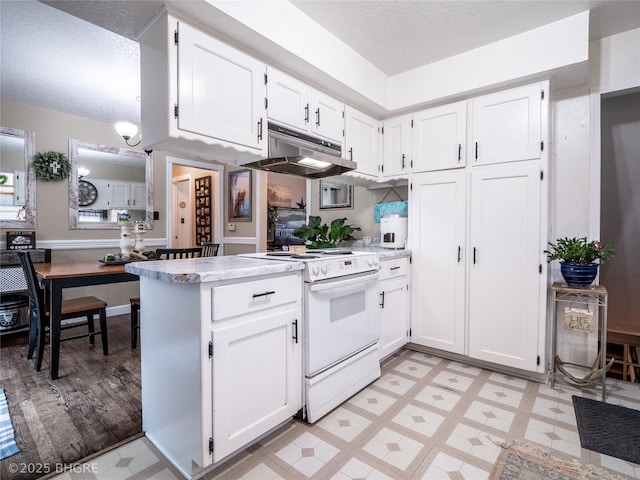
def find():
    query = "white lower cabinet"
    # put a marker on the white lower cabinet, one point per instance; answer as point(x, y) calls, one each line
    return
point(505, 269)
point(394, 305)
point(221, 365)
point(438, 252)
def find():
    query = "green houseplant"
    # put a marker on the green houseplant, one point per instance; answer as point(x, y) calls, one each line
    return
point(319, 235)
point(579, 259)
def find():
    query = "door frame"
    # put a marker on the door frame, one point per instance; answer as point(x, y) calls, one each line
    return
point(218, 195)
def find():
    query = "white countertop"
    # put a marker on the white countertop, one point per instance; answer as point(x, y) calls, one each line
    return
point(209, 269)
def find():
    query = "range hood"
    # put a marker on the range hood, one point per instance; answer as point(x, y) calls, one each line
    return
point(296, 153)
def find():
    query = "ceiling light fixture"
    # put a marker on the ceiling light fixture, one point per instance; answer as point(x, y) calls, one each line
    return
point(127, 130)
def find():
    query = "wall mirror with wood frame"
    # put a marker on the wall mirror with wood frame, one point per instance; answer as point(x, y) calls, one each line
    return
point(108, 185)
point(17, 178)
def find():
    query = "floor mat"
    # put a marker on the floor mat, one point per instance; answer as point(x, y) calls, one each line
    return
point(609, 429)
point(8, 445)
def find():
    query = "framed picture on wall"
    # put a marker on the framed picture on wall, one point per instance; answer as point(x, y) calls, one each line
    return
point(240, 196)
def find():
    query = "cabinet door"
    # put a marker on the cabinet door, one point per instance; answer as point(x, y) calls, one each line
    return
point(506, 126)
point(398, 147)
point(221, 90)
point(361, 141)
point(327, 116)
point(257, 377)
point(119, 195)
point(288, 100)
point(438, 229)
point(394, 315)
point(138, 195)
point(439, 137)
point(504, 312)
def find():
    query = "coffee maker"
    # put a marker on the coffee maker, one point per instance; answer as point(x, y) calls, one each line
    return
point(393, 231)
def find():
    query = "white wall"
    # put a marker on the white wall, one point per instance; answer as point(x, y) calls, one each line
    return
point(614, 64)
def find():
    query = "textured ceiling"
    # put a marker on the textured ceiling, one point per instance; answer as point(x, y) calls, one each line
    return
point(64, 55)
point(397, 36)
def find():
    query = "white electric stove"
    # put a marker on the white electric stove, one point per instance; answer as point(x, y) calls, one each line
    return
point(340, 325)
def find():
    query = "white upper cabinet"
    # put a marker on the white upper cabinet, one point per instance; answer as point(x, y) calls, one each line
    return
point(506, 126)
point(289, 102)
point(362, 141)
point(327, 116)
point(397, 146)
point(439, 137)
point(201, 95)
point(292, 103)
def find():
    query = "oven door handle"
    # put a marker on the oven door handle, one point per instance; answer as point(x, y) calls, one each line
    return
point(350, 280)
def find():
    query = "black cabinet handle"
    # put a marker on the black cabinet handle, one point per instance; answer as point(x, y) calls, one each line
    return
point(264, 294)
point(476, 150)
point(318, 117)
point(475, 251)
point(459, 152)
point(260, 129)
point(295, 330)
point(459, 253)
point(351, 153)
point(394, 268)
point(382, 299)
point(403, 161)
point(306, 114)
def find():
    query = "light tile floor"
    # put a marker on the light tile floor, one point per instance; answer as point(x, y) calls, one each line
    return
point(425, 418)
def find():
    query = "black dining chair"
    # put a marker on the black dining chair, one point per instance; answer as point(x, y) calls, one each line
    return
point(161, 254)
point(210, 249)
point(80, 307)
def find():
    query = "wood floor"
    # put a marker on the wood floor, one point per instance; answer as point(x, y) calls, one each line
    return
point(92, 406)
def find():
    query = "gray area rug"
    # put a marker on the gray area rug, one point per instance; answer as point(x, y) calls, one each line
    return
point(609, 429)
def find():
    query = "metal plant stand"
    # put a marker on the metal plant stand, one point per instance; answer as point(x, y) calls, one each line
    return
point(594, 295)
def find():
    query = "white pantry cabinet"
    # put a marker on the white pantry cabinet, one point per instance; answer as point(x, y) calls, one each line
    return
point(439, 137)
point(221, 364)
point(504, 258)
point(200, 94)
point(293, 103)
point(393, 289)
point(506, 126)
point(477, 237)
point(362, 141)
point(438, 252)
point(397, 146)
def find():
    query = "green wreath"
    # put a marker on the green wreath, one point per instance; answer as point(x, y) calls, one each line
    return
point(51, 166)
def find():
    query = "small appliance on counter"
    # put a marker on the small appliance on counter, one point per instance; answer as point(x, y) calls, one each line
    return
point(393, 231)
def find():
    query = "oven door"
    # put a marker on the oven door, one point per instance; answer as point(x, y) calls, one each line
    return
point(341, 319)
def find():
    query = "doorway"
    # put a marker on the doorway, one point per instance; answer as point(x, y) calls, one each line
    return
point(182, 219)
point(620, 207)
point(186, 226)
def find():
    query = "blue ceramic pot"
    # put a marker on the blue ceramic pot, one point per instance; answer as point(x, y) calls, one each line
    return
point(577, 274)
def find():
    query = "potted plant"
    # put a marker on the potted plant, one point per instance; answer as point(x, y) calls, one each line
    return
point(318, 235)
point(579, 259)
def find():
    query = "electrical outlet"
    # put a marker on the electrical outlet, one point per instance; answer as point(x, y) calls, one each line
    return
point(231, 227)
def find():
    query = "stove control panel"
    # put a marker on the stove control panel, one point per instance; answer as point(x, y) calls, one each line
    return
point(325, 268)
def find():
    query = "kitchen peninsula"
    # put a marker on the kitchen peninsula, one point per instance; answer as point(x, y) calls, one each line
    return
point(220, 354)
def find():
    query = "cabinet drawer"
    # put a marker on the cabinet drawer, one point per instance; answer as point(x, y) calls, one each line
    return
point(248, 297)
point(395, 267)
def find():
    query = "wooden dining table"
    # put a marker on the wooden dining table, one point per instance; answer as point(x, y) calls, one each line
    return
point(56, 276)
